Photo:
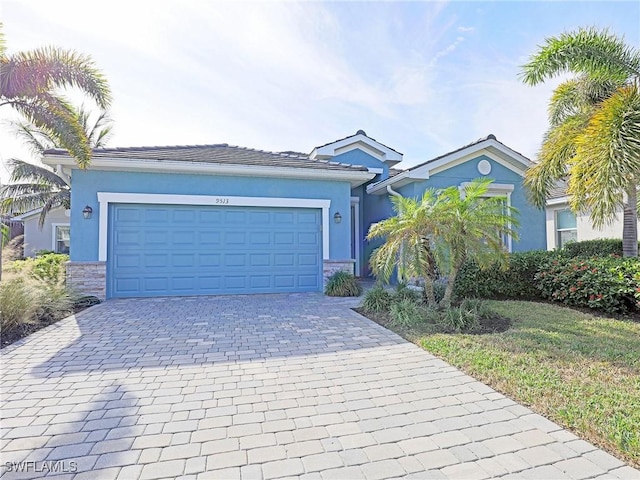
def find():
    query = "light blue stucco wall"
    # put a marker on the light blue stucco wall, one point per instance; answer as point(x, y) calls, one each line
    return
point(532, 220)
point(86, 184)
point(532, 228)
point(358, 157)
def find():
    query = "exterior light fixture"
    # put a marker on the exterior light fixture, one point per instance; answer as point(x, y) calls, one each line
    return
point(87, 212)
point(337, 217)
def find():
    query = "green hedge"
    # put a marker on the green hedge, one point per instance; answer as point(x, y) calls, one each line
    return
point(517, 280)
point(593, 248)
point(610, 284)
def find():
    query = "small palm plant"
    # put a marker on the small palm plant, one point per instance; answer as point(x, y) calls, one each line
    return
point(436, 234)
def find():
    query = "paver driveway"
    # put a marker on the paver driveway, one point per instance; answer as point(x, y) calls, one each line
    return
point(264, 386)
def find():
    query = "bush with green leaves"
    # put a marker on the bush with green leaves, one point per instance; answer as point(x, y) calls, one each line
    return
point(407, 312)
point(49, 267)
point(609, 284)
point(377, 300)
point(465, 316)
point(516, 279)
point(603, 247)
point(342, 284)
point(404, 292)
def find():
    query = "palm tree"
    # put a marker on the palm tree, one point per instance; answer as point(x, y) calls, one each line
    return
point(472, 226)
point(594, 135)
point(408, 239)
point(28, 83)
point(33, 186)
point(439, 232)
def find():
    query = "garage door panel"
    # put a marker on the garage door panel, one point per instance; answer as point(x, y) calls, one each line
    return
point(283, 238)
point(183, 260)
point(156, 284)
point(235, 238)
point(259, 260)
point(183, 283)
point(154, 237)
point(260, 281)
point(259, 239)
point(128, 215)
point(235, 216)
point(206, 250)
point(257, 218)
point(155, 259)
point(156, 215)
point(308, 280)
point(209, 238)
point(210, 259)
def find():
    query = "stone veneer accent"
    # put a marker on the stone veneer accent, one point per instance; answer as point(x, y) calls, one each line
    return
point(88, 278)
point(332, 266)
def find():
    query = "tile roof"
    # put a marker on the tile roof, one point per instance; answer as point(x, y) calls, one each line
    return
point(559, 190)
point(218, 154)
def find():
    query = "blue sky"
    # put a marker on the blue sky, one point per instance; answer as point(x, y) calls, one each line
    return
point(421, 77)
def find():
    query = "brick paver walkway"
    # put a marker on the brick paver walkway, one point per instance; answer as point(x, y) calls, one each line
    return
point(262, 387)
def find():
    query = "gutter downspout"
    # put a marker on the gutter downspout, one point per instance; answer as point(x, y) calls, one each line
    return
point(391, 191)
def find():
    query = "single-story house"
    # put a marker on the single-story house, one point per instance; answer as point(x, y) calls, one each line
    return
point(54, 235)
point(221, 219)
point(563, 225)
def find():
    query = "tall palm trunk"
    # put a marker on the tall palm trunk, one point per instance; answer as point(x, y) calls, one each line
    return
point(630, 224)
point(451, 283)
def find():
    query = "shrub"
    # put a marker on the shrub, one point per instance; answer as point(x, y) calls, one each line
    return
point(459, 319)
point(403, 292)
point(342, 284)
point(593, 248)
point(25, 300)
point(406, 312)
point(609, 284)
point(49, 267)
point(517, 280)
point(377, 300)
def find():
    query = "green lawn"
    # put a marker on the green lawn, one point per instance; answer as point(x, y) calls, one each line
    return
point(579, 370)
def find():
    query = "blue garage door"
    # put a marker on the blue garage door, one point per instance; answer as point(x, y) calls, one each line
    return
point(159, 250)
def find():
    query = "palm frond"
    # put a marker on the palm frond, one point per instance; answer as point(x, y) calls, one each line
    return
point(34, 138)
point(21, 198)
point(99, 131)
point(608, 156)
point(26, 75)
point(57, 118)
point(22, 171)
point(587, 50)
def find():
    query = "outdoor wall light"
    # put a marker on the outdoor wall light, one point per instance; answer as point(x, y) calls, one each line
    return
point(337, 217)
point(87, 212)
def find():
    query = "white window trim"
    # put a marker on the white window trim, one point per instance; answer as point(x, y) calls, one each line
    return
point(105, 198)
point(497, 190)
point(53, 233)
point(558, 230)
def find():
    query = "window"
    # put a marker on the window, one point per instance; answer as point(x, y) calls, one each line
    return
point(566, 228)
point(61, 239)
point(503, 191)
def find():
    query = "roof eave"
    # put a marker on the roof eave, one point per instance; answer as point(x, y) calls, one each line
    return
point(355, 177)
